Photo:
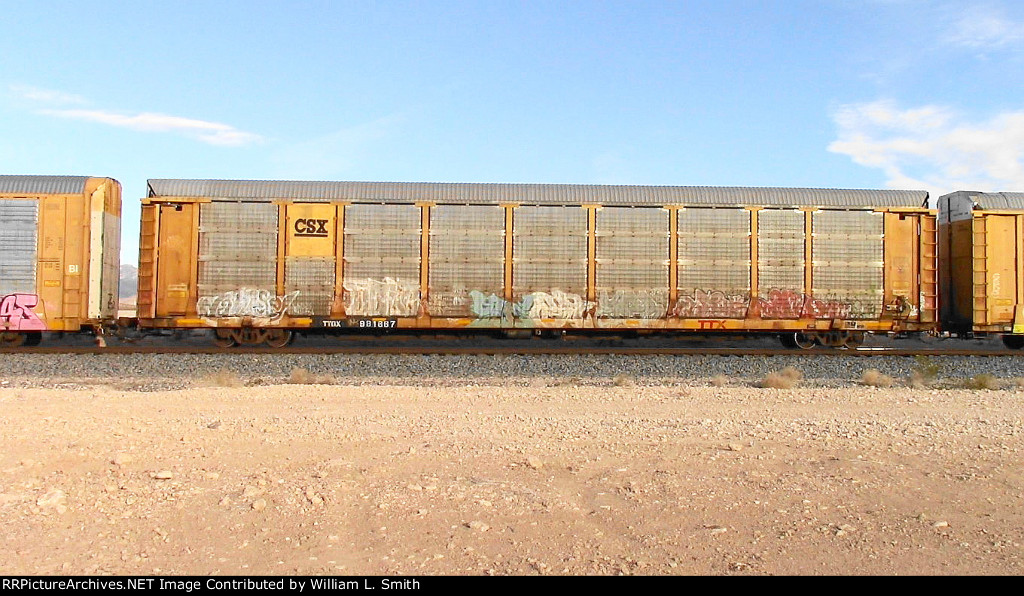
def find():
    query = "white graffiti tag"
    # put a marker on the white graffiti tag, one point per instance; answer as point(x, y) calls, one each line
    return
point(651, 304)
point(558, 305)
point(374, 297)
point(245, 302)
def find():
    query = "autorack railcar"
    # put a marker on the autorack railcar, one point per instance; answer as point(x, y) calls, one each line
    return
point(981, 265)
point(257, 261)
point(59, 255)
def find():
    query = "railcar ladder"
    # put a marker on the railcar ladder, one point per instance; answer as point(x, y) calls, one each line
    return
point(979, 267)
point(145, 299)
point(929, 269)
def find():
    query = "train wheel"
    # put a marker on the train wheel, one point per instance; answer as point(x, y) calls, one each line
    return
point(10, 339)
point(854, 341)
point(279, 338)
point(788, 341)
point(804, 341)
point(224, 338)
point(1014, 342)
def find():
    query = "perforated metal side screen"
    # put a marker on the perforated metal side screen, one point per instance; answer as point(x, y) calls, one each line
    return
point(19, 222)
point(780, 263)
point(632, 262)
point(550, 261)
point(467, 258)
point(237, 247)
point(714, 263)
point(382, 260)
point(311, 282)
point(848, 271)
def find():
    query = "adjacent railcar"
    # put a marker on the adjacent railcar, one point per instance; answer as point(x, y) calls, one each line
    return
point(59, 253)
point(259, 260)
point(981, 265)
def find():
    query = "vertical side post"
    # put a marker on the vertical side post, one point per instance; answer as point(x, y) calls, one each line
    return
point(673, 258)
point(509, 229)
point(338, 307)
point(424, 262)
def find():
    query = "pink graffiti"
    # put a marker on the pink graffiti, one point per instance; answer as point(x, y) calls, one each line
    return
point(789, 304)
point(16, 313)
point(711, 304)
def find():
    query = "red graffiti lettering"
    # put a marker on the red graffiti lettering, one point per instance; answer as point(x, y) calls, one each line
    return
point(16, 313)
point(708, 304)
point(788, 304)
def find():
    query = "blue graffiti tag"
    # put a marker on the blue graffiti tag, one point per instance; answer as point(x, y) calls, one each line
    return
point(494, 307)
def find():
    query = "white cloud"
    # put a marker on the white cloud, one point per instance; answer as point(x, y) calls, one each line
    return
point(933, 147)
point(48, 102)
point(213, 133)
point(46, 96)
point(985, 27)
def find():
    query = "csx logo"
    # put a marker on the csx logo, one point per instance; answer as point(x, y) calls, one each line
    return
point(311, 227)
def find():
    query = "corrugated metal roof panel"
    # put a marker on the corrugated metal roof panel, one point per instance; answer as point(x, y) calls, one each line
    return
point(998, 200)
point(41, 185)
point(530, 194)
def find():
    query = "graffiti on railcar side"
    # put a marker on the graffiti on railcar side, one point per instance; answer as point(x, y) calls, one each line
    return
point(778, 304)
point(245, 302)
point(16, 313)
point(708, 306)
point(492, 306)
point(382, 297)
point(782, 304)
point(555, 304)
point(711, 304)
point(790, 304)
point(817, 308)
point(558, 305)
point(632, 304)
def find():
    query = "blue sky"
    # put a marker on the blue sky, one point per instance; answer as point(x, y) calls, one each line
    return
point(918, 94)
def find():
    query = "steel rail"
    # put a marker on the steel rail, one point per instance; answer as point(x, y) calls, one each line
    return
point(507, 350)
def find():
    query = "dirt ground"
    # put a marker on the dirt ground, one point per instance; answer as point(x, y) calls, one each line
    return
point(492, 479)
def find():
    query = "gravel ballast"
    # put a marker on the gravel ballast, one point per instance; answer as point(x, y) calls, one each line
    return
point(160, 371)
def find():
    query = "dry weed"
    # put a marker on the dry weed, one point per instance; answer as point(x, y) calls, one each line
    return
point(719, 381)
point(873, 378)
point(917, 380)
point(983, 381)
point(623, 381)
point(221, 378)
point(779, 380)
point(793, 374)
point(301, 376)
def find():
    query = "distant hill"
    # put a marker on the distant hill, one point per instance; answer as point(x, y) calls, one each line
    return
point(128, 287)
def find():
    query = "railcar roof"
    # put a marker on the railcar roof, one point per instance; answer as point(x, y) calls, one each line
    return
point(57, 185)
point(530, 194)
point(997, 200)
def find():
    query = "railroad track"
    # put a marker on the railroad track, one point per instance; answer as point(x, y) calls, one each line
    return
point(511, 350)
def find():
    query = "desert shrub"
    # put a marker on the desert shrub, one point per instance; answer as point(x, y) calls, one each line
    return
point(917, 380)
point(983, 381)
point(927, 369)
point(622, 380)
point(780, 380)
point(792, 373)
point(301, 376)
point(873, 378)
point(719, 381)
point(221, 378)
